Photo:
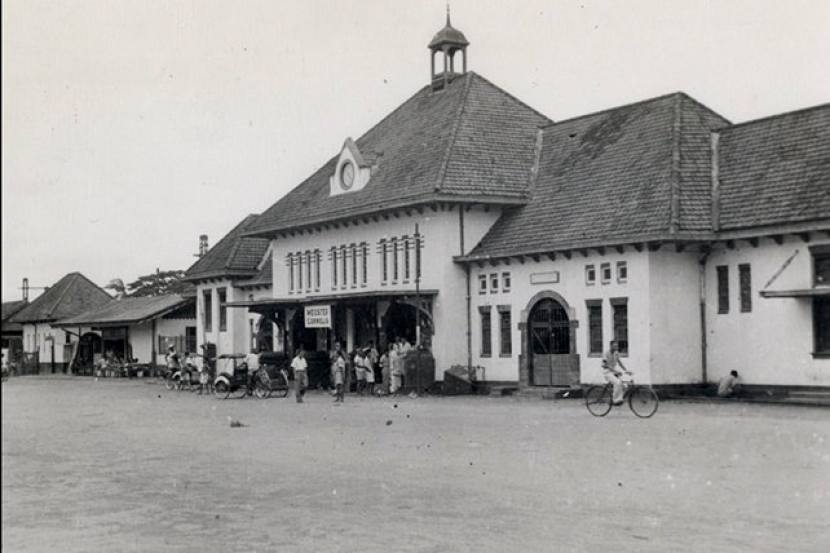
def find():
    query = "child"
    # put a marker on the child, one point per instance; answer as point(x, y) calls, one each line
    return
point(339, 369)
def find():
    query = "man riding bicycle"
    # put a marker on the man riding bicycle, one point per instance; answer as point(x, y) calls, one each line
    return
point(609, 371)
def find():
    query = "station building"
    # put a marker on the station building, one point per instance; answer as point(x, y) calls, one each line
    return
point(470, 223)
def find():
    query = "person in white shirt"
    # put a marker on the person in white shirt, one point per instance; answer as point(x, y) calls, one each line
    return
point(728, 385)
point(252, 362)
point(300, 368)
point(610, 372)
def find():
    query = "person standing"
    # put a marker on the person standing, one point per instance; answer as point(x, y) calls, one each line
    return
point(339, 370)
point(396, 371)
point(370, 372)
point(374, 357)
point(252, 363)
point(386, 368)
point(360, 371)
point(334, 354)
point(300, 368)
point(611, 374)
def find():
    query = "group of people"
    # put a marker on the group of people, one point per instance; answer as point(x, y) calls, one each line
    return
point(367, 363)
point(205, 370)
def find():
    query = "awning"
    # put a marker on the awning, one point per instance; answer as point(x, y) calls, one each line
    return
point(353, 297)
point(818, 292)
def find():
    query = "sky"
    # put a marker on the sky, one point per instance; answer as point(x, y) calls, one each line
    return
point(130, 128)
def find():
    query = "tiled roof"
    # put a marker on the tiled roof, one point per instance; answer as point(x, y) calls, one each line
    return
point(71, 295)
point(128, 310)
point(9, 309)
point(264, 277)
point(470, 140)
point(635, 172)
point(776, 170)
point(234, 255)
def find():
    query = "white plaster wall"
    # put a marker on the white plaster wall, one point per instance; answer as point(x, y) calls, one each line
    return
point(140, 336)
point(675, 326)
point(773, 343)
point(573, 288)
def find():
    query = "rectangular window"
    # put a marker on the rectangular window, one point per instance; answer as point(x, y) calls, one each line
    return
point(223, 310)
point(594, 327)
point(486, 332)
point(821, 326)
point(354, 265)
point(482, 284)
point(605, 272)
point(344, 264)
point(745, 281)
point(394, 260)
point(620, 308)
point(622, 271)
point(318, 258)
point(190, 339)
point(384, 261)
point(334, 268)
point(308, 262)
point(207, 298)
point(821, 265)
point(418, 255)
point(494, 283)
point(505, 282)
point(723, 289)
point(590, 275)
point(290, 263)
point(299, 271)
point(505, 329)
point(365, 248)
point(406, 263)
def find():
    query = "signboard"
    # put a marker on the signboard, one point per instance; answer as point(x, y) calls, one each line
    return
point(545, 278)
point(318, 316)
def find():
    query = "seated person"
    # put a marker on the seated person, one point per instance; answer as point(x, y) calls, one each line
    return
point(728, 385)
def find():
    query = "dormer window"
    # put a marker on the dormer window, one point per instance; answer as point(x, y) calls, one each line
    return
point(353, 169)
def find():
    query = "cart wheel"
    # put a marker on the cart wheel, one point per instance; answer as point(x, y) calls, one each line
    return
point(222, 390)
point(262, 390)
point(279, 385)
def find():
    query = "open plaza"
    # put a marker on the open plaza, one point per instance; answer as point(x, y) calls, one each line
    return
point(126, 465)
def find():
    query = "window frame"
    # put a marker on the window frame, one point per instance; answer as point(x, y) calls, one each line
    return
point(590, 274)
point(722, 279)
point(591, 306)
point(506, 281)
point(494, 283)
point(482, 284)
point(485, 331)
point(605, 268)
point(619, 305)
point(622, 267)
point(222, 296)
point(207, 309)
point(505, 334)
point(745, 286)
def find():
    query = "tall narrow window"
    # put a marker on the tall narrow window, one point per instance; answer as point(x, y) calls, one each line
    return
point(290, 264)
point(384, 261)
point(505, 331)
point(594, 326)
point(354, 265)
point(299, 271)
point(821, 326)
point(486, 332)
point(723, 288)
point(223, 309)
point(620, 309)
point(334, 267)
point(406, 263)
point(318, 258)
point(207, 296)
point(745, 281)
point(394, 260)
point(309, 260)
point(418, 241)
point(344, 264)
point(365, 247)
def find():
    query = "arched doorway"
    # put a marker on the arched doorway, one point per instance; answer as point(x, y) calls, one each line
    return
point(400, 320)
point(551, 336)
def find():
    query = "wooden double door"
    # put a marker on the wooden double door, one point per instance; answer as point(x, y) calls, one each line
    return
point(552, 335)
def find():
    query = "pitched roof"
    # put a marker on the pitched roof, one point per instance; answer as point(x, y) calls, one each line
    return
point(128, 310)
point(72, 294)
point(637, 171)
point(9, 309)
point(776, 170)
point(469, 141)
point(233, 255)
point(264, 277)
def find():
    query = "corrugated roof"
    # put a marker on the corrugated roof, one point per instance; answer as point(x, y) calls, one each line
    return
point(233, 255)
point(128, 310)
point(776, 170)
point(470, 140)
point(71, 295)
point(630, 172)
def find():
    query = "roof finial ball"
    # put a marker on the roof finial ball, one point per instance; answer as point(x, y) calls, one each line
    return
point(447, 41)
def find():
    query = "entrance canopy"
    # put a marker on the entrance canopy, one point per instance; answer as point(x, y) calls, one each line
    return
point(800, 293)
point(258, 306)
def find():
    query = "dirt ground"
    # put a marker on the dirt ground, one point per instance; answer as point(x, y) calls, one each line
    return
point(116, 465)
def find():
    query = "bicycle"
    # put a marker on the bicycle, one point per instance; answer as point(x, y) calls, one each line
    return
point(642, 400)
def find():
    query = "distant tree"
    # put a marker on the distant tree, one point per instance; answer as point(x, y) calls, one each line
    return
point(158, 284)
point(117, 286)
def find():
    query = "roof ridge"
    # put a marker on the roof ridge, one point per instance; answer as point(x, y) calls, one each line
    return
point(63, 293)
point(777, 115)
point(609, 110)
point(676, 164)
point(512, 97)
point(704, 106)
point(459, 115)
point(227, 236)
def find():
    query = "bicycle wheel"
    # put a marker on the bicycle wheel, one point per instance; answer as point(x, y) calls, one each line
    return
point(598, 400)
point(222, 390)
point(279, 385)
point(262, 389)
point(643, 402)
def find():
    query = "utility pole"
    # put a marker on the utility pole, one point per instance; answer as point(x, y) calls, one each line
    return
point(418, 330)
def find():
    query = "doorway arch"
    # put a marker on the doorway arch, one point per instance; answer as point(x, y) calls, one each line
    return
point(549, 342)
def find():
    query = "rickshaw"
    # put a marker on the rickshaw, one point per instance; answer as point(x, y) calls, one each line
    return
point(186, 378)
point(233, 379)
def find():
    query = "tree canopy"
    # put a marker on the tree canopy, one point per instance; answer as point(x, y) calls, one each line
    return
point(154, 284)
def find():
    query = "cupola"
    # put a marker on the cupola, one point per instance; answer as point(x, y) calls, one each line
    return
point(448, 41)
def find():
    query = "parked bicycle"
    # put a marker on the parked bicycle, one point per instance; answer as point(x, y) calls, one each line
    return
point(642, 400)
